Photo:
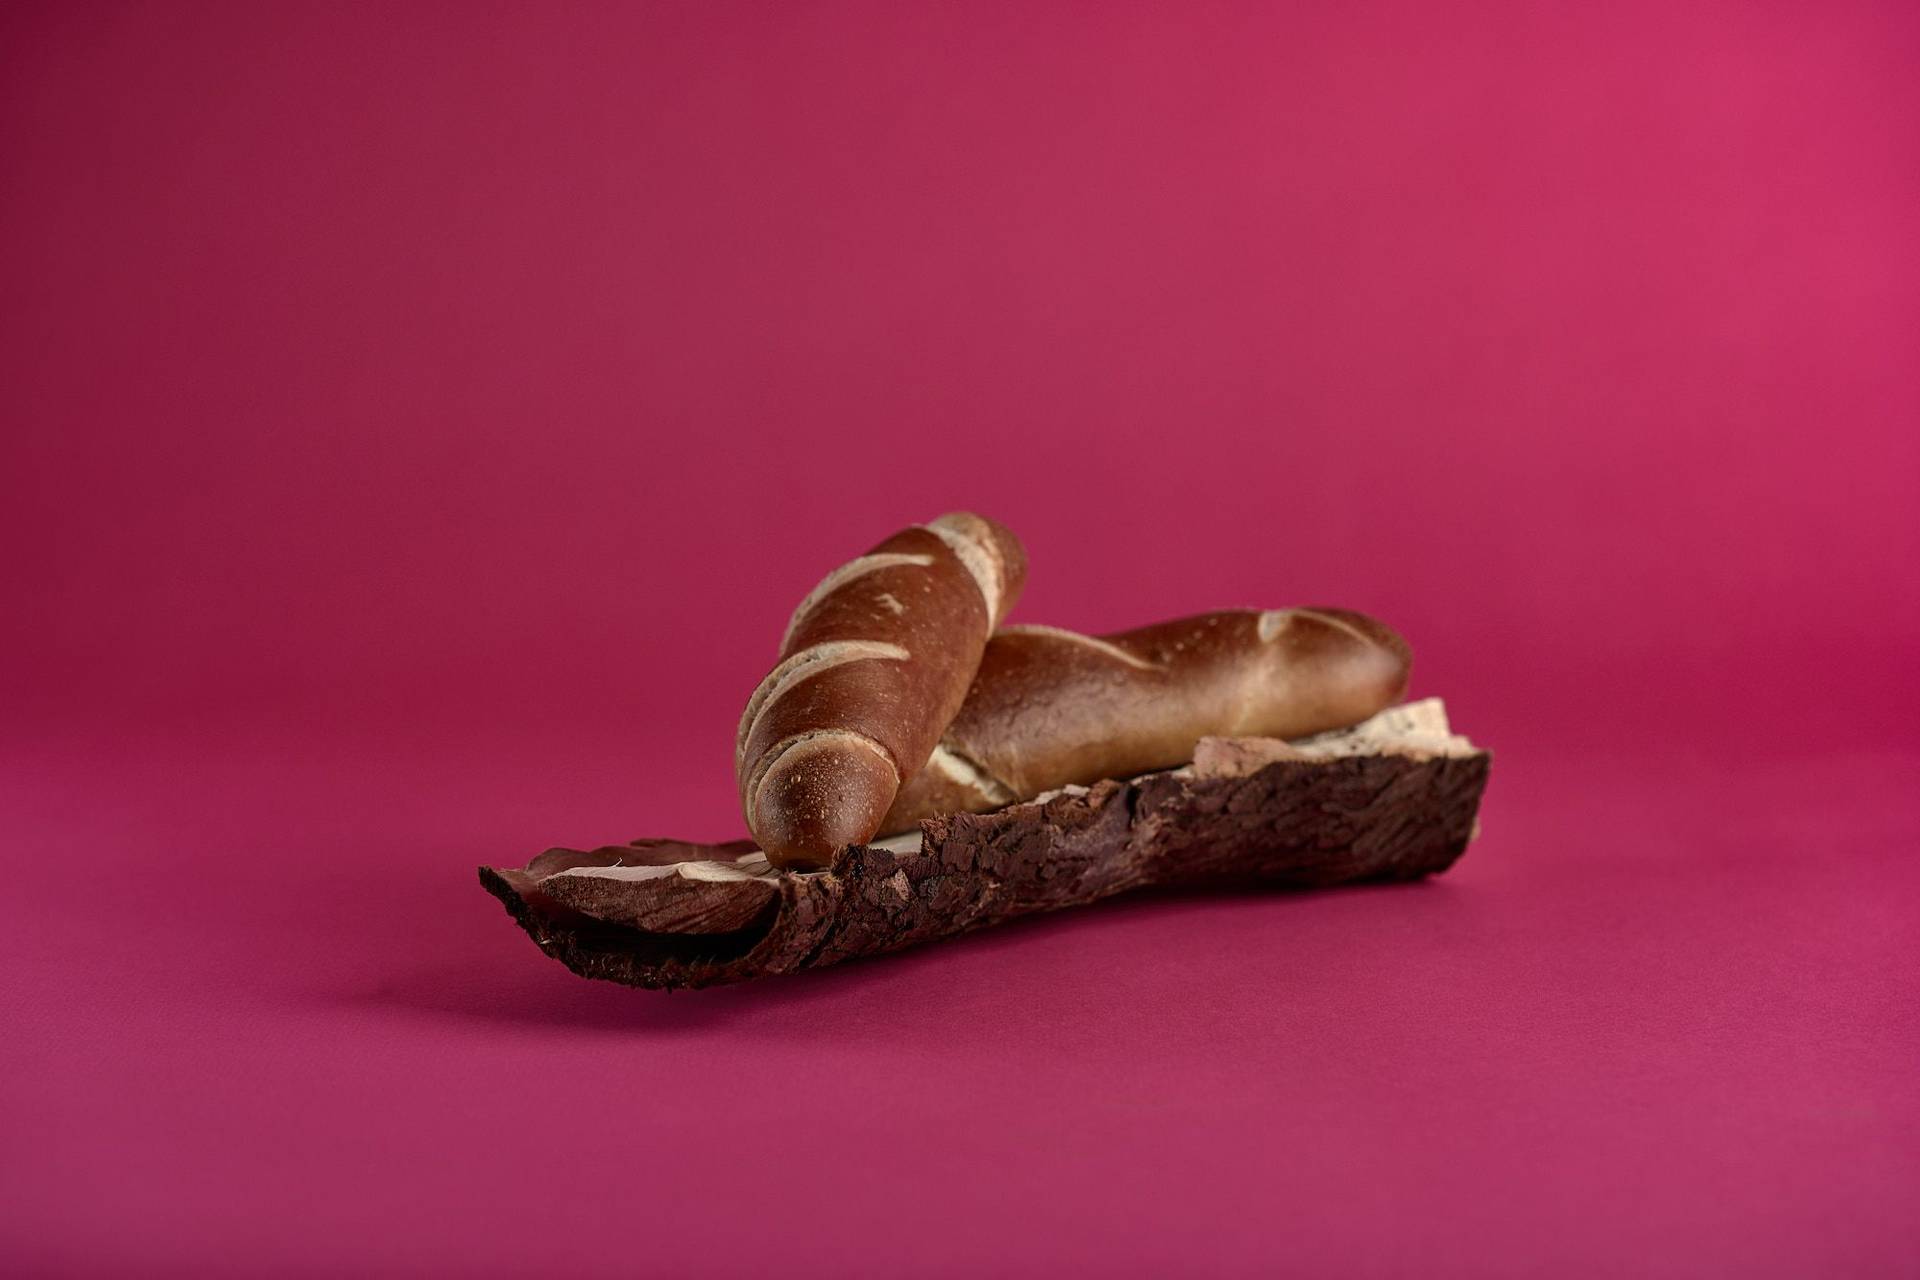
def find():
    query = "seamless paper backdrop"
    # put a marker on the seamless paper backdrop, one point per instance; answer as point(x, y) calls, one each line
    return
point(416, 422)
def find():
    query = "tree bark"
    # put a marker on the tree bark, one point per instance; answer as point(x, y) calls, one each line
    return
point(1247, 814)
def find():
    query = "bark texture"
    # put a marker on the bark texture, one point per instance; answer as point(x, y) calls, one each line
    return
point(1238, 819)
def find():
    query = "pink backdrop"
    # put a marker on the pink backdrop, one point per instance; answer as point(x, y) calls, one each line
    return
point(419, 419)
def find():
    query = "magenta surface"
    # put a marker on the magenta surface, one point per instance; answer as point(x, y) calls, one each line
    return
point(418, 421)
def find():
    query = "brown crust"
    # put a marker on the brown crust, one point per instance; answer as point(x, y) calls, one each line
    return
point(871, 671)
point(1049, 708)
point(1286, 823)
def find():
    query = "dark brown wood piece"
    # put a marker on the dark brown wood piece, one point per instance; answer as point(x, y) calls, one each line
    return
point(1287, 824)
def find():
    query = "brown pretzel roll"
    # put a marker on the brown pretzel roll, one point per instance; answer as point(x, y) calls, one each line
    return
point(874, 664)
point(1050, 708)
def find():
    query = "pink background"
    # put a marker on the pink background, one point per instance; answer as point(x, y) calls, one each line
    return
point(419, 419)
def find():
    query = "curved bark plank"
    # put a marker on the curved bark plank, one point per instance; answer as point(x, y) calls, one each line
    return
point(1394, 804)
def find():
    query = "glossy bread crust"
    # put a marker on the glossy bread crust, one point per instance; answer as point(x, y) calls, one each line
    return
point(874, 664)
point(1052, 708)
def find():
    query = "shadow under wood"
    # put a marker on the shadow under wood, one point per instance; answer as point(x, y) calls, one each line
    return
point(516, 990)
